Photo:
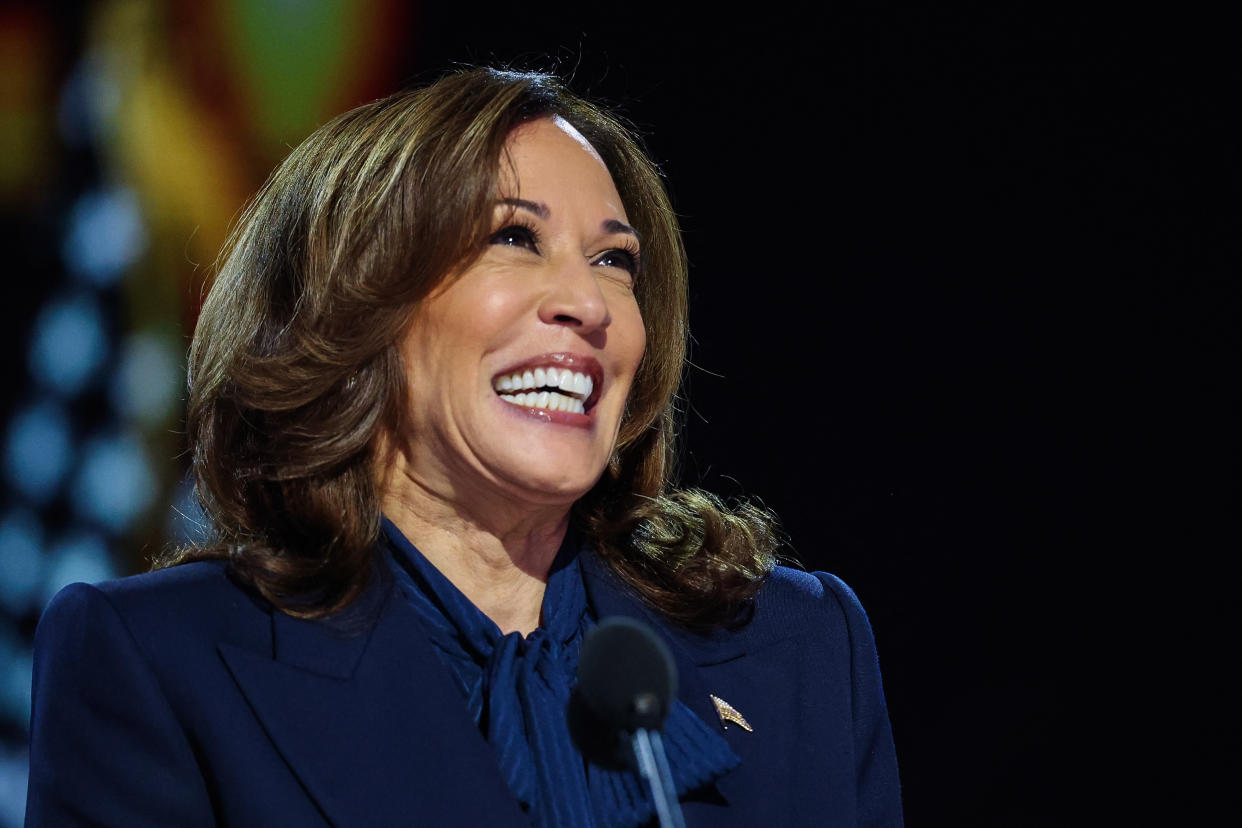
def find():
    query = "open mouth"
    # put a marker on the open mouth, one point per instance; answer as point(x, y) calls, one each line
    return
point(548, 387)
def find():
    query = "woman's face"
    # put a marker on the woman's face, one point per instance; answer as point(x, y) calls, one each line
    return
point(518, 371)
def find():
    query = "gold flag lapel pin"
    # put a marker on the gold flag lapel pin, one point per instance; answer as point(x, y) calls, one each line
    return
point(729, 713)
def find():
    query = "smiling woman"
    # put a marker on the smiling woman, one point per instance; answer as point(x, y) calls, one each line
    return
point(432, 397)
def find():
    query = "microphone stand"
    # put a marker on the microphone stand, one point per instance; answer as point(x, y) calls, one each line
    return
point(653, 767)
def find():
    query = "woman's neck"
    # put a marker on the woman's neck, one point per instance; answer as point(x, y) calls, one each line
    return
point(501, 567)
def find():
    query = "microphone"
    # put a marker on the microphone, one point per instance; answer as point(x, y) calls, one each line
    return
point(626, 685)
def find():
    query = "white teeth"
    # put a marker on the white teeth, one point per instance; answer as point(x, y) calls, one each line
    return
point(521, 388)
point(548, 400)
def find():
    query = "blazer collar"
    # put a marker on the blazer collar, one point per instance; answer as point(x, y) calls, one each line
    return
point(377, 740)
point(609, 597)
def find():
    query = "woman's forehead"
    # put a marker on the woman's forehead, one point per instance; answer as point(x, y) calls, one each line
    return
point(549, 156)
point(554, 125)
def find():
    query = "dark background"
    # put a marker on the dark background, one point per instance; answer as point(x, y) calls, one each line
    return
point(965, 314)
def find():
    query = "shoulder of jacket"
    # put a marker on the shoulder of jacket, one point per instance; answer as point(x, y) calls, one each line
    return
point(192, 600)
point(794, 597)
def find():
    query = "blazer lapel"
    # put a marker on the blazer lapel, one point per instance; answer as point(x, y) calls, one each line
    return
point(372, 724)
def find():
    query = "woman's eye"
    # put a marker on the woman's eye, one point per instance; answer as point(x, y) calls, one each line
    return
point(623, 259)
point(516, 235)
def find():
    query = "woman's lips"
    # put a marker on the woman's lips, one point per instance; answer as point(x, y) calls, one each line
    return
point(569, 418)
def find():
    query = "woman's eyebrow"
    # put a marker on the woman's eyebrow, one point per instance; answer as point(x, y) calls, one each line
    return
point(541, 210)
point(614, 226)
point(537, 207)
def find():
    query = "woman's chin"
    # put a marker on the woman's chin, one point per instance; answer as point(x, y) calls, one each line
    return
point(547, 483)
point(542, 460)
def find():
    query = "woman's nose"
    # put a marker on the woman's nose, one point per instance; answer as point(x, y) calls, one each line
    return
point(574, 298)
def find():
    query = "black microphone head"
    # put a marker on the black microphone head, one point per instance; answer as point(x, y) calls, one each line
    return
point(626, 680)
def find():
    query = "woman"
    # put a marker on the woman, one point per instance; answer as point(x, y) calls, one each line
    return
point(432, 397)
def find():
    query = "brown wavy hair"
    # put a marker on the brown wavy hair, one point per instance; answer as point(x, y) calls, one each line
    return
point(295, 371)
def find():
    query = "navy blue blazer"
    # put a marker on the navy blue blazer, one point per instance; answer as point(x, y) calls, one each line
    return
point(178, 698)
